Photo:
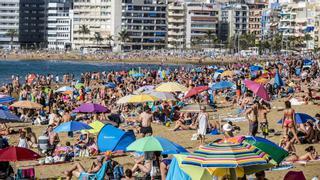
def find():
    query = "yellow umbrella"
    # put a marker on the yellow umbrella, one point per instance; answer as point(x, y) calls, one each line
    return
point(171, 87)
point(27, 105)
point(261, 80)
point(96, 127)
point(142, 98)
point(124, 99)
point(220, 172)
point(227, 73)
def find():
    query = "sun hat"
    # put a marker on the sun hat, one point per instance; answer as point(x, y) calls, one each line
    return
point(227, 127)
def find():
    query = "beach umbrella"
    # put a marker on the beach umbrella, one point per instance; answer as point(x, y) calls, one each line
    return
point(13, 154)
point(96, 127)
point(196, 90)
point(6, 99)
point(301, 118)
point(222, 85)
point(196, 108)
point(220, 70)
point(71, 126)
point(164, 96)
point(64, 88)
point(171, 87)
point(140, 98)
point(216, 75)
point(124, 99)
point(257, 89)
point(91, 108)
point(27, 105)
point(229, 158)
point(137, 75)
point(144, 88)
point(7, 116)
point(261, 80)
point(227, 73)
point(255, 68)
point(110, 85)
point(156, 143)
point(277, 80)
point(79, 85)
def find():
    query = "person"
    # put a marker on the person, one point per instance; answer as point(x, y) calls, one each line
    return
point(181, 123)
point(146, 118)
point(261, 175)
point(128, 175)
point(22, 140)
point(287, 144)
point(31, 138)
point(263, 110)
point(4, 129)
point(53, 137)
point(252, 116)
point(228, 129)
point(311, 154)
point(310, 135)
point(143, 164)
point(288, 121)
point(202, 124)
point(77, 169)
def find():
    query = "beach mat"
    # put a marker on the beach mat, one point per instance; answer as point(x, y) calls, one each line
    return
point(282, 167)
point(234, 119)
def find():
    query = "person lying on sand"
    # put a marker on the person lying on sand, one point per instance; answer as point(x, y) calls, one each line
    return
point(311, 154)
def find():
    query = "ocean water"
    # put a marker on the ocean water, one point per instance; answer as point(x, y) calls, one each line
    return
point(22, 67)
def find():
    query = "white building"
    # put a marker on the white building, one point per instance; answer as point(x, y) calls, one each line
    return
point(9, 20)
point(59, 24)
point(201, 19)
point(96, 16)
point(176, 17)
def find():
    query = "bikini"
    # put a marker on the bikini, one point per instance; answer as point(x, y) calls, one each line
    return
point(287, 120)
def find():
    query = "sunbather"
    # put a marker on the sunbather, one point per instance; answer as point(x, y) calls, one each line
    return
point(311, 154)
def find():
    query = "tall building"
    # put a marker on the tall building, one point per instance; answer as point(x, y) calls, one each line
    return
point(93, 15)
point(270, 20)
point(59, 24)
point(255, 15)
point(9, 21)
point(145, 23)
point(202, 19)
point(32, 23)
point(176, 17)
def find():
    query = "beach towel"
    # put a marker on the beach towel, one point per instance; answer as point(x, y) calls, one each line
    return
point(234, 119)
point(296, 102)
point(282, 167)
point(301, 162)
point(214, 132)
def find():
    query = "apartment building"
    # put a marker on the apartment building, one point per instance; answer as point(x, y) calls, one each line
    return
point(146, 24)
point(202, 19)
point(32, 23)
point(176, 17)
point(270, 21)
point(59, 24)
point(255, 15)
point(9, 21)
point(93, 15)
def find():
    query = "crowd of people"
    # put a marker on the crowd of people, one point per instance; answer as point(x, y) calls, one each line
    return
point(301, 83)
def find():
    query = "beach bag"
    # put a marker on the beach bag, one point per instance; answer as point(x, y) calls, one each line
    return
point(118, 172)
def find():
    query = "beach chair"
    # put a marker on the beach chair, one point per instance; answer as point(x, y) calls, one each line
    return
point(97, 176)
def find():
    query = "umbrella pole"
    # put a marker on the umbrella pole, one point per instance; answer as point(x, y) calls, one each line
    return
point(233, 175)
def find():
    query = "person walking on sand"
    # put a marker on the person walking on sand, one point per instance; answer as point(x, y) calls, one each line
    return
point(252, 116)
point(146, 118)
point(289, 122)
point(203, 124)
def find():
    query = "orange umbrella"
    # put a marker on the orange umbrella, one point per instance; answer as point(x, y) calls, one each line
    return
point(261, 80)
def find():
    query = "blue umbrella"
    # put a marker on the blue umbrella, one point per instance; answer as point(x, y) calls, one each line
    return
point(301, 118)
point(255, 68)
point(137, 75)
point(7, 116)
point(110, 85)
point(71, 126)
point(278, 81)
point(6, 99)
point(222, 85)
point(220, 70)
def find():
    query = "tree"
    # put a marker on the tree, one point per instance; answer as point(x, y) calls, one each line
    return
point(247, 40)
point(123, 37)
point(84, 30)
point(12, 33)
point(98, 38)
point(109, 38)
point(276, 42)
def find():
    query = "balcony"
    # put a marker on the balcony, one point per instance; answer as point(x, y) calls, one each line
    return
point(173, 33)
point(175, 7)
point(173, 20)
point(172, 14)
point(176, 27)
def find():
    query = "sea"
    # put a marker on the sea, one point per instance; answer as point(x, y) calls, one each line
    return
point(58, 67)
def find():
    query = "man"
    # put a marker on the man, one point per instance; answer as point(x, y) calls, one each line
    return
point(78, 170)
point(146, 118)
point(252, 116)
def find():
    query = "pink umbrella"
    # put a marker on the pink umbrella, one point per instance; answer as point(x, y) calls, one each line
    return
point(257, 89)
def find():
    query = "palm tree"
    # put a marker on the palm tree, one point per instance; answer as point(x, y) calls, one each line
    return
point(84, 30)
point(98, 38)
point(276, 42)
point(123, 37)
point(12, 33)
point(109, 39)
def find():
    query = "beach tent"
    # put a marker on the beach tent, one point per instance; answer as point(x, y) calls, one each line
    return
point(175, 172)
point(278, 81)
point(96, 127)
point(301, 118)
point(111, 138)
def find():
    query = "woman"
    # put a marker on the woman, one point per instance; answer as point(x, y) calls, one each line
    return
point(31, 138)
point(289, 122)
point(203, 124)
point(311, 154)
point(287, 144)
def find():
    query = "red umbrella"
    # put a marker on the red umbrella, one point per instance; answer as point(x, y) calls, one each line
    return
point(257, 89)
point(17, 154)
point(196, 90)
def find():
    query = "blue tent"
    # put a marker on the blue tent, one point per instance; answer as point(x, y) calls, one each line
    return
point(301, 118)
point(175, 172)
point(6, 99)
point(222, 85)
point(277, 80)
point(111, 138)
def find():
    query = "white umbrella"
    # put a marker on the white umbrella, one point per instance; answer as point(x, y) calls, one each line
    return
point(65, 88)
point(164, 96)
point(124, 99)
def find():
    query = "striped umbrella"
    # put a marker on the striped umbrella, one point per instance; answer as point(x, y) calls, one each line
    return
point(229, 157)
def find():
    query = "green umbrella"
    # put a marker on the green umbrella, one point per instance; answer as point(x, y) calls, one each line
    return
point(79, 86)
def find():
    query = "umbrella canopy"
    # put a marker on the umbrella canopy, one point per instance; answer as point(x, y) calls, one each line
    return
point(137, 75)
point(7, 116)
point(91, 108)
point(196, 108)
point(222, 85)
point(227, 73)
point(278, 81)
point(79, 86)
point(156, 143)
point(196, 90)
point(6, 99)
point(13, 154)
point(144, 88)
point(301, 118)
point(140, 98)
point(64, 88)
point(164, 96)
point(27, 105)
point(124, 99)
point(255, 68)
point(110, 85)
point(261, 80)
point(257, 89)
point(171, 87)
point(96, 127)
point(71, 126)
